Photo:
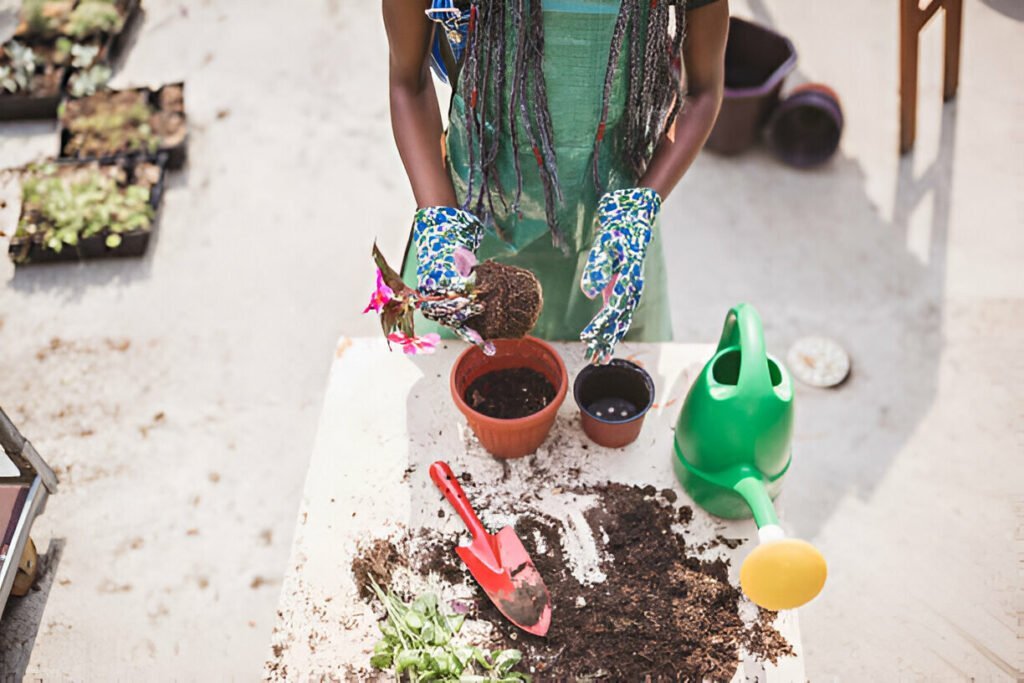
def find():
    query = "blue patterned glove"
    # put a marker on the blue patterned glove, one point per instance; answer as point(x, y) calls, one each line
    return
point(446, 242)
point(615, 266)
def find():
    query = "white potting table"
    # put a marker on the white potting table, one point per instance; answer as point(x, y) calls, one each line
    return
point(385, 418)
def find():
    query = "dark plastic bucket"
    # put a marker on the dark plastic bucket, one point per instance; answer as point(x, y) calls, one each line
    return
point(757, 61)
point(805, 128)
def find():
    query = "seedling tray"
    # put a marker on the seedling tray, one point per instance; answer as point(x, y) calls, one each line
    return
point(27, 251)
point(175, 154)
point(21, 106)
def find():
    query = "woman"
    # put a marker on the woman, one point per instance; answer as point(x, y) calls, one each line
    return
point(563, 140)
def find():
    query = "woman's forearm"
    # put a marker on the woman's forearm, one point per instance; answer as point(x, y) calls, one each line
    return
point(416, 122)
point(683, 142)
point(704, 62)
point(415, 116)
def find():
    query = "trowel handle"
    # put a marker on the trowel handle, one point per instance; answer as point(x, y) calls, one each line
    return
point(743, 329)
point(449, 485)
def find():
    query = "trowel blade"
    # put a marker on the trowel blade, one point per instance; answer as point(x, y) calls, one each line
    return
point(514, 585)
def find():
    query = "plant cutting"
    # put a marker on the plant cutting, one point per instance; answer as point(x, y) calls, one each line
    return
point(86, 210)
point(117, 122)
point(420, 642)
point(613, 401)
point(510, 397)
point(498, 302)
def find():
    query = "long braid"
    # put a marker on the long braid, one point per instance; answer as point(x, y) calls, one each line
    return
point(506, 88)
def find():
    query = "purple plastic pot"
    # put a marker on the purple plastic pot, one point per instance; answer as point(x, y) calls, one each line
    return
point(757, 61)
point(805, 128)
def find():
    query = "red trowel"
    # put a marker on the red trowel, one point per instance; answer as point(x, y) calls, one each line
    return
point(498, 562)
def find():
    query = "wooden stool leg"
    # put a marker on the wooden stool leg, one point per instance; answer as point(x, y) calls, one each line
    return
point(954, 29)
point(908, 73)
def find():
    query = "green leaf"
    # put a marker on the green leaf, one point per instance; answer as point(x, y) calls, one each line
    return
point(391, 278)
point(381, 661)
point(113, 240)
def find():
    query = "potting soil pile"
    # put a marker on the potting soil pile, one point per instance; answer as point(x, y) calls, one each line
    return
point(631, 598)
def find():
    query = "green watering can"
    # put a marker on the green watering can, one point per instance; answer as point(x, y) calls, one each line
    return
point(732, 450)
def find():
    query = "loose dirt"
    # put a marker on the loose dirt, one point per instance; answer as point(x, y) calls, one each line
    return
point(655, 609)
point(509, 394)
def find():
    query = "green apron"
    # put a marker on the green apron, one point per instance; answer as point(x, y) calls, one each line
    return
point(577, 35)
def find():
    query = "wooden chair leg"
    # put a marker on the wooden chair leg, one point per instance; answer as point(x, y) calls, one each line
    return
point(954, 28)
point(908, 73)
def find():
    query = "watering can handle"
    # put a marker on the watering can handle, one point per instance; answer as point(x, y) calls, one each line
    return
point(743, 329)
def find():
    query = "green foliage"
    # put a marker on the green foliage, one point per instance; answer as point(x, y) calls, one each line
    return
point(33, 13)
point(20, 68)
point(420, 643)
point(83, 56)
point(89, 81)
point(92, 17)
point(60, 209)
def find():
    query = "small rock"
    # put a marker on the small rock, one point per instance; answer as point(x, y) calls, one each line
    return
point(581, 602)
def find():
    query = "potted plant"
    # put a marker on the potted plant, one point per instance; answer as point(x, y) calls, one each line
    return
point(140, 121)
point(73, 210)
point(613, 400)
point(31, 79)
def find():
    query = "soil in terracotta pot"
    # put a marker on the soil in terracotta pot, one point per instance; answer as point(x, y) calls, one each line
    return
point(509, 394)
point(512, 299)
point(116, 122)
point(659, 611)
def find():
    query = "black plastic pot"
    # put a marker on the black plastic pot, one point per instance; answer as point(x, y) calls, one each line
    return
point(18, 106)
point(757, 62)
point(26, 251)
point(613, 401)
point(804, 130)
point(175, 156)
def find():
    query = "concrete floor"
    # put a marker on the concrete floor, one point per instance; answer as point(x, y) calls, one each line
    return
point(177, 395)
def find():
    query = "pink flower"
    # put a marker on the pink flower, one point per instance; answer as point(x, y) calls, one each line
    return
point(380, 296)
point(412, 345)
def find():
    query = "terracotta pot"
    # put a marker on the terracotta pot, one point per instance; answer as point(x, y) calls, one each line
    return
point(520, 436)
point(613, 401)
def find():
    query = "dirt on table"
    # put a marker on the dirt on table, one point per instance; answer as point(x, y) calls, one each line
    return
point(509, 394)
point(661, 613)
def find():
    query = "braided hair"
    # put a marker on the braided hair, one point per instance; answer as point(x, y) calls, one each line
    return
point(504, 87)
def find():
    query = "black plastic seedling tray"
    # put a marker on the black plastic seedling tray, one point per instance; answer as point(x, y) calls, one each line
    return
point(175, 155)
point(27, 251)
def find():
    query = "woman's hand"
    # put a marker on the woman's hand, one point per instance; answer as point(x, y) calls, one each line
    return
point(446, 241)
point(615, 266)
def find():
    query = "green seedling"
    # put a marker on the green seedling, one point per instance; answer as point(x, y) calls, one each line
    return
point(419, 642)
point(20, 68)
point(89, 81)
point(120, 122)
point(93, 17)
point(61, 209)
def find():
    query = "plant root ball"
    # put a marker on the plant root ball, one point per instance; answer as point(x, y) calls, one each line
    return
point(512, 300)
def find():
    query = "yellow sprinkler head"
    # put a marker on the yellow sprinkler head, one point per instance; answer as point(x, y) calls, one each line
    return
point(783, 574)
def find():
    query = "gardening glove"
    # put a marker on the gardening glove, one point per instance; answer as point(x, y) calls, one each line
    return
point(446, 242)
point(615, 266)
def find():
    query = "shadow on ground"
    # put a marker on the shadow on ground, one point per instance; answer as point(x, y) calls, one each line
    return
point(23, 616)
